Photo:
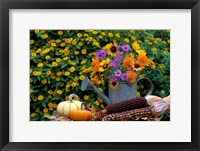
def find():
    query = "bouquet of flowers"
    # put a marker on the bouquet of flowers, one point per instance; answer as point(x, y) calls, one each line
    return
point(118, 63)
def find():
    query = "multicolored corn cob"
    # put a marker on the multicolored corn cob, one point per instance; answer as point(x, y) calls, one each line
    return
point(130, 104)
point(131, 115)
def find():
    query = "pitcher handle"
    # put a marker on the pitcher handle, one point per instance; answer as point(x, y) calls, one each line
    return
point(151, 85)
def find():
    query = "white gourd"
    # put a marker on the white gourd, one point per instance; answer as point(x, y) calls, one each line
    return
point(65, 107)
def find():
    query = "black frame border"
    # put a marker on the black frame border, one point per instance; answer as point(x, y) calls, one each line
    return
point(5, 5)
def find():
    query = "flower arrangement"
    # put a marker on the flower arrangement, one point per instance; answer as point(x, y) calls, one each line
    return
point(118, 63)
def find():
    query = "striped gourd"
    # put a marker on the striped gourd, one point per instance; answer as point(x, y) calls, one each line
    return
point(65, 107)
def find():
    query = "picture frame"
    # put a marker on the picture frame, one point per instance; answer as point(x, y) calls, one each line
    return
point(6, 5)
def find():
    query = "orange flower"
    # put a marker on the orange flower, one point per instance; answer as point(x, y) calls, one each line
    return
point(143, 60)
point(131, 76)
point(128, 62)
point(95, 64)
point(95, 80)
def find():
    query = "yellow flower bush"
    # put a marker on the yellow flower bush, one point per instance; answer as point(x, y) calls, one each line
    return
point(59, 57)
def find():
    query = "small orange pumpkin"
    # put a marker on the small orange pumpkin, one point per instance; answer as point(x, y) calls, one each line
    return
point(80, 115)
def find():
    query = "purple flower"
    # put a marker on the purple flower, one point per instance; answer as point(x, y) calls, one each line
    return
point(124, 77)
point(100, 54)
point(126, 47)
point(118, 73)
point(130, 69)
point(112, 79)
point(118, 58)
point(114, 64)
point(120, 49)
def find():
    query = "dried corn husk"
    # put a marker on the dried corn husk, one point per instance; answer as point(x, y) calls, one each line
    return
point(132, 115)
point(152, 98)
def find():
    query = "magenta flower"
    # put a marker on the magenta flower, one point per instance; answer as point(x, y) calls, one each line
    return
point(118, 73)
point(112, 79)
point(118, 58)
point(100, 54)
point(124, 77)
point(114, 64)
point(120, 49)
point(126, 47)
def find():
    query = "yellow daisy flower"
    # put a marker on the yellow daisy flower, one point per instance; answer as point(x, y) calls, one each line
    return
point(48, 72)
point(86, 97)
point(100, 37)
point(135, 46)
point(96, 102)
point(58, 60)
point(51, 109)
point(44, 81)
point(50, 91)
point(40, 97)
point(32, 41)
point(60, 32)
point(111, 49)
point(95, 32)
point(80, 43)
point(79, 35)
point(67, 73)
point(54, 64)
point(53, 44)
point(110, 34)
point(40, 64)
point(38, 50)
point(47, 57)
point(31, 90)
point(33, 54)
point(58, 41)
point(113, 85)
point(33, 114)
point(74, 42)
point(117, 35)
point(37, 110)
point(59, 92)
point(104, 65)
point(72, 69)
point(57, 78)
point(76, 52)
point(82, 77)
point(83, 51)
point(45, 110)
point(45, 36)
point(37, 31)
point(73, 84)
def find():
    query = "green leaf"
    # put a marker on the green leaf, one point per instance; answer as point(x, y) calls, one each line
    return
point(57, 84)
point(46, 88)
point(48, 65)
point(44, 104)
point(35, 118)
point(41, 113)
point(64, 65)
point(35, 80)
point(78, 47)
point(39, 78)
